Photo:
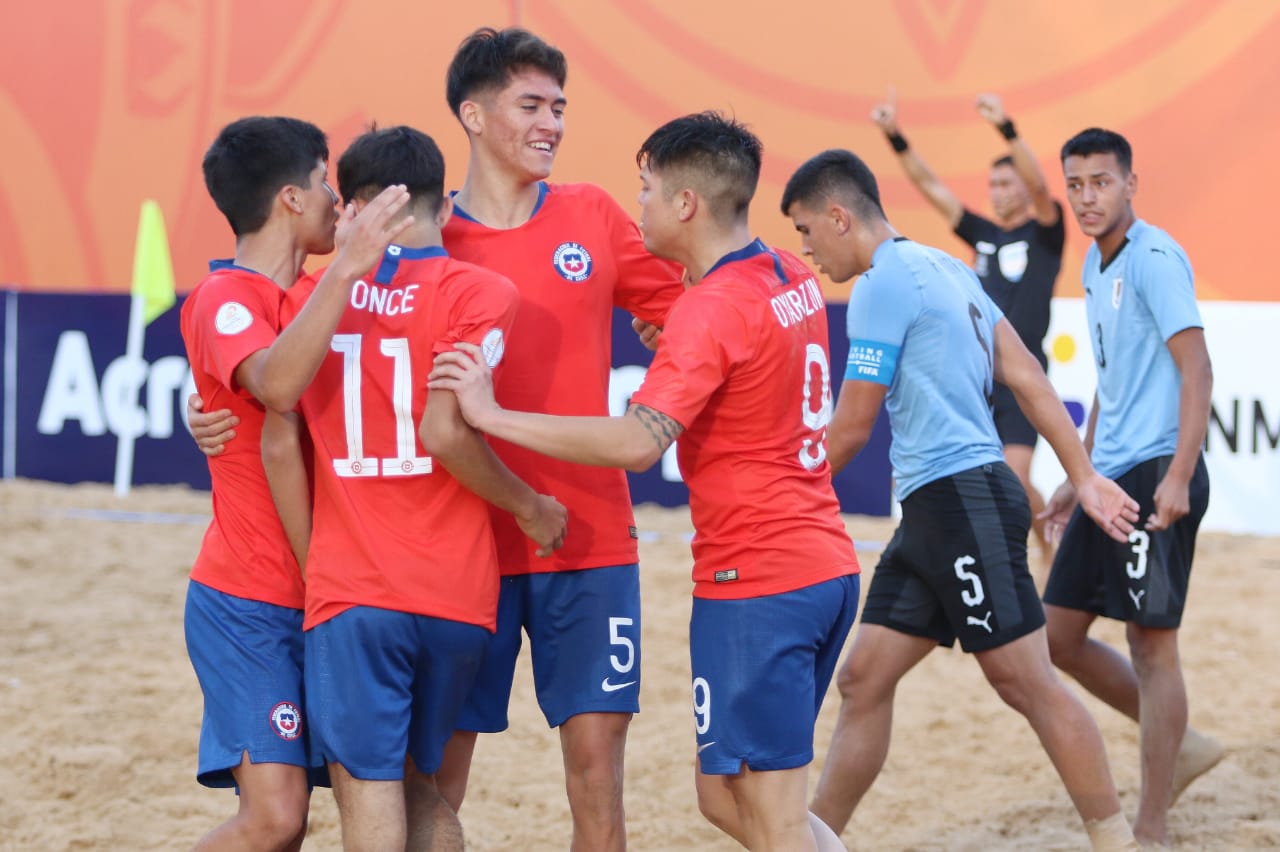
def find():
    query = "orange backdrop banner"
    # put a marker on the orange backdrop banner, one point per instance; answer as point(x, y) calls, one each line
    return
point(116, 103)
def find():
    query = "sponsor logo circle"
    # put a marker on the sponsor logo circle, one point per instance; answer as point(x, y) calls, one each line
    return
point(232, 318)
point(572, 261)
point(286, 720)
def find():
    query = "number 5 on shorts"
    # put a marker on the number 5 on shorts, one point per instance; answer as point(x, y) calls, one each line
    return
point(616, 638)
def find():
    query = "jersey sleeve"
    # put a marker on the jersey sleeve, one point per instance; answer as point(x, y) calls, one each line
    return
point(880, 312)
point(647, 285)
point(1053, 237)
point(233, 320)
point(972, 228)
point(1165, 285)
point(694, 359)
point(482, 315)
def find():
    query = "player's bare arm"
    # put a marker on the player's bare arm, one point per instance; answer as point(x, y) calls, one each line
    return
point(991, 108)
point(662, 428)
point(852, 422)
point(1191, 355)
point(627, 442)
point(1114, 511)
point(464, 452)
point(885, 116)
point(277, 375)
point(211, 429)
point(282, 460)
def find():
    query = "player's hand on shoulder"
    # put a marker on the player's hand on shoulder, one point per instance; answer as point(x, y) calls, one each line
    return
point(547, 525)
point(1172, 502)
point(885, 115)
point(991, 108)
point(363, 236)
point(1114, 511)
point(211, 429)
point(464, 372)
point(647, 332)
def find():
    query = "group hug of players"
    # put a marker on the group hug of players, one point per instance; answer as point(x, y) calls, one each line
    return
point(413, 466)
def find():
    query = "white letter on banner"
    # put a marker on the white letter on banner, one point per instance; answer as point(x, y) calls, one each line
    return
point(72, 392)
point(121, 389)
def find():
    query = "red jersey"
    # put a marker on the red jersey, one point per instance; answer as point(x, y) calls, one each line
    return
point(390, 528)
point(231, 314)
point(743, 366)
point(577, 257)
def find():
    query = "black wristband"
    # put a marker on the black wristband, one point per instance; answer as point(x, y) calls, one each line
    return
point(1007, 130)
point(898, 141)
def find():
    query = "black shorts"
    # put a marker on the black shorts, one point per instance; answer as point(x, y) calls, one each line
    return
point(957, 565)
point(1144, 580)
point(1012, 425)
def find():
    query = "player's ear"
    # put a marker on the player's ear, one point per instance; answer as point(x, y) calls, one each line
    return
point(291, 197)
point(471, 114)
point(687, 205)
point(445, 212)
point(1131, 186)
point(841, 219)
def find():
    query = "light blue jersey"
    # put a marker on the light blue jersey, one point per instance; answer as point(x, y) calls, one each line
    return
point(1139, 300)
point(920, 323)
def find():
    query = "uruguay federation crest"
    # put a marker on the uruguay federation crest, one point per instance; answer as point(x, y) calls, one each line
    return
point(286, 721)
point(572, 261)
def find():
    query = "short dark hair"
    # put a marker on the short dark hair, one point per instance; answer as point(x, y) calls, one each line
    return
point(835, 174)
point(253, 158)
point(488, 58)
point(382, 158)
point(1006, 160)
point(1096, 140)
point(716, 151)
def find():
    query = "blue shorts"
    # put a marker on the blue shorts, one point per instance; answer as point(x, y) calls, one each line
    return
point(584, 634)
point(248, 658)
point(761, 667)
point(385, 685)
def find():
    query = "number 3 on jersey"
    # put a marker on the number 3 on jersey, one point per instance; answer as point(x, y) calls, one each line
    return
point(406, 461)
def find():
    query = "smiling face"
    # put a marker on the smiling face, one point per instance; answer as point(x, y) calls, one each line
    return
point(821, 228)
point(1100, 193)
point(520, 125)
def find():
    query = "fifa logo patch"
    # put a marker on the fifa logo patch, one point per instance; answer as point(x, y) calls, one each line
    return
point(572, 261)
point(286, 721)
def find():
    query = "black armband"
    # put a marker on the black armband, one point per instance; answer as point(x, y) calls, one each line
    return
point(1007, 130)
point(898, 141)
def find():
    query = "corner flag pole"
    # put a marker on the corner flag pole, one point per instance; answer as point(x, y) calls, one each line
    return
point(151, 294)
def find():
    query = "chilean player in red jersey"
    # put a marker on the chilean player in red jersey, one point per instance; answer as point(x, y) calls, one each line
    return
point(243, 614)
point(402, 574)
point(573, 254)
point(742, 377)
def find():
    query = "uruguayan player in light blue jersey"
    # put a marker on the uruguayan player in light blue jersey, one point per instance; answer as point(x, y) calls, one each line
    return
point(1146, 429)
point(927, 341)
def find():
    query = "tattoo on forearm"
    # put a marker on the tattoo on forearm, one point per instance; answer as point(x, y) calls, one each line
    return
point(663, 429)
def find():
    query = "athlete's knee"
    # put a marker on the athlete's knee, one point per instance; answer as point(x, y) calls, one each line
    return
point(279, 820)
point(1152, 650)
point(717, 805)
point(1066, 643)
point(860, 682)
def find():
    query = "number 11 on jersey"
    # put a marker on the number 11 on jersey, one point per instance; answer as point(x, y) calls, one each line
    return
point(406, 461)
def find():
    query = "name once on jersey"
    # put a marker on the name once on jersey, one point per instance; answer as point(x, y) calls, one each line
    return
point(383, 300)
point(799, 302)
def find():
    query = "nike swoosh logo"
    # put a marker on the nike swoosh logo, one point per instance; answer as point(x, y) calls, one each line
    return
point(614, 687)
point(705, 746)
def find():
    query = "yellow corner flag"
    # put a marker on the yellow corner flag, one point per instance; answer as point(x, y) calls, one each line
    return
point(152, 267)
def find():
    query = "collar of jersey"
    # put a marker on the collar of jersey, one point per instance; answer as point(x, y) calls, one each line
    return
point(752, 249)
point(220, 264)
point(394, 254)
point(543, 189)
